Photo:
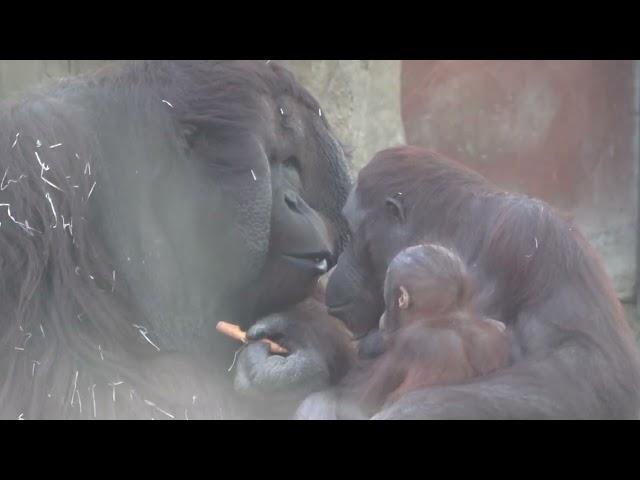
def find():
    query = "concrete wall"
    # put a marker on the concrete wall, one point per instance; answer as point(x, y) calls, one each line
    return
point(18, 75)
point(361, 98)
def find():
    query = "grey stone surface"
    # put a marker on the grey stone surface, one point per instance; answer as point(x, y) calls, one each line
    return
point(17, 75)
point(83, 66)
point(361, 99)
point(632, 317)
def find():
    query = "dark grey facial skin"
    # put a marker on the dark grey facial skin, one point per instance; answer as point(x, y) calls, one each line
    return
point(355, 288)
point(199, 191)
point(230, 226)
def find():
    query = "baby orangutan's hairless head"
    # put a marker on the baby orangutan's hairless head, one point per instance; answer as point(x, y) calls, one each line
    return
point(421, 280)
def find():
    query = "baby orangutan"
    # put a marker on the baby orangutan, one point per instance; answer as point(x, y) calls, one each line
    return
point(431, 334)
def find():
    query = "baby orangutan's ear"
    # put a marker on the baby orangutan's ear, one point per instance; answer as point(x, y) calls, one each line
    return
point(403, 299)
point(497, 324)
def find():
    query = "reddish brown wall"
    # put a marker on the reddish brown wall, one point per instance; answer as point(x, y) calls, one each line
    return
point(563, 131)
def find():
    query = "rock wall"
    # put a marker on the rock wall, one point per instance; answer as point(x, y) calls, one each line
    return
point(361, 99)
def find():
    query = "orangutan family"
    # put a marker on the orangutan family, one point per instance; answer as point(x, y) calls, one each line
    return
point(146, 202)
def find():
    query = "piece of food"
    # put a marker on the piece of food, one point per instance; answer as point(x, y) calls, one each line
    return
point(234, 331)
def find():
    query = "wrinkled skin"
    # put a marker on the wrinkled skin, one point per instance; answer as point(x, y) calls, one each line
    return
point(199, 191)
point(320, 355)
point(573, 354)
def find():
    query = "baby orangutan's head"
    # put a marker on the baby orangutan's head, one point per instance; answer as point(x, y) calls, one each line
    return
point(423, 282)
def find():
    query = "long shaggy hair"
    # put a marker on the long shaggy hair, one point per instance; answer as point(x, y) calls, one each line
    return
point(74, 342)
point(532, 267)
